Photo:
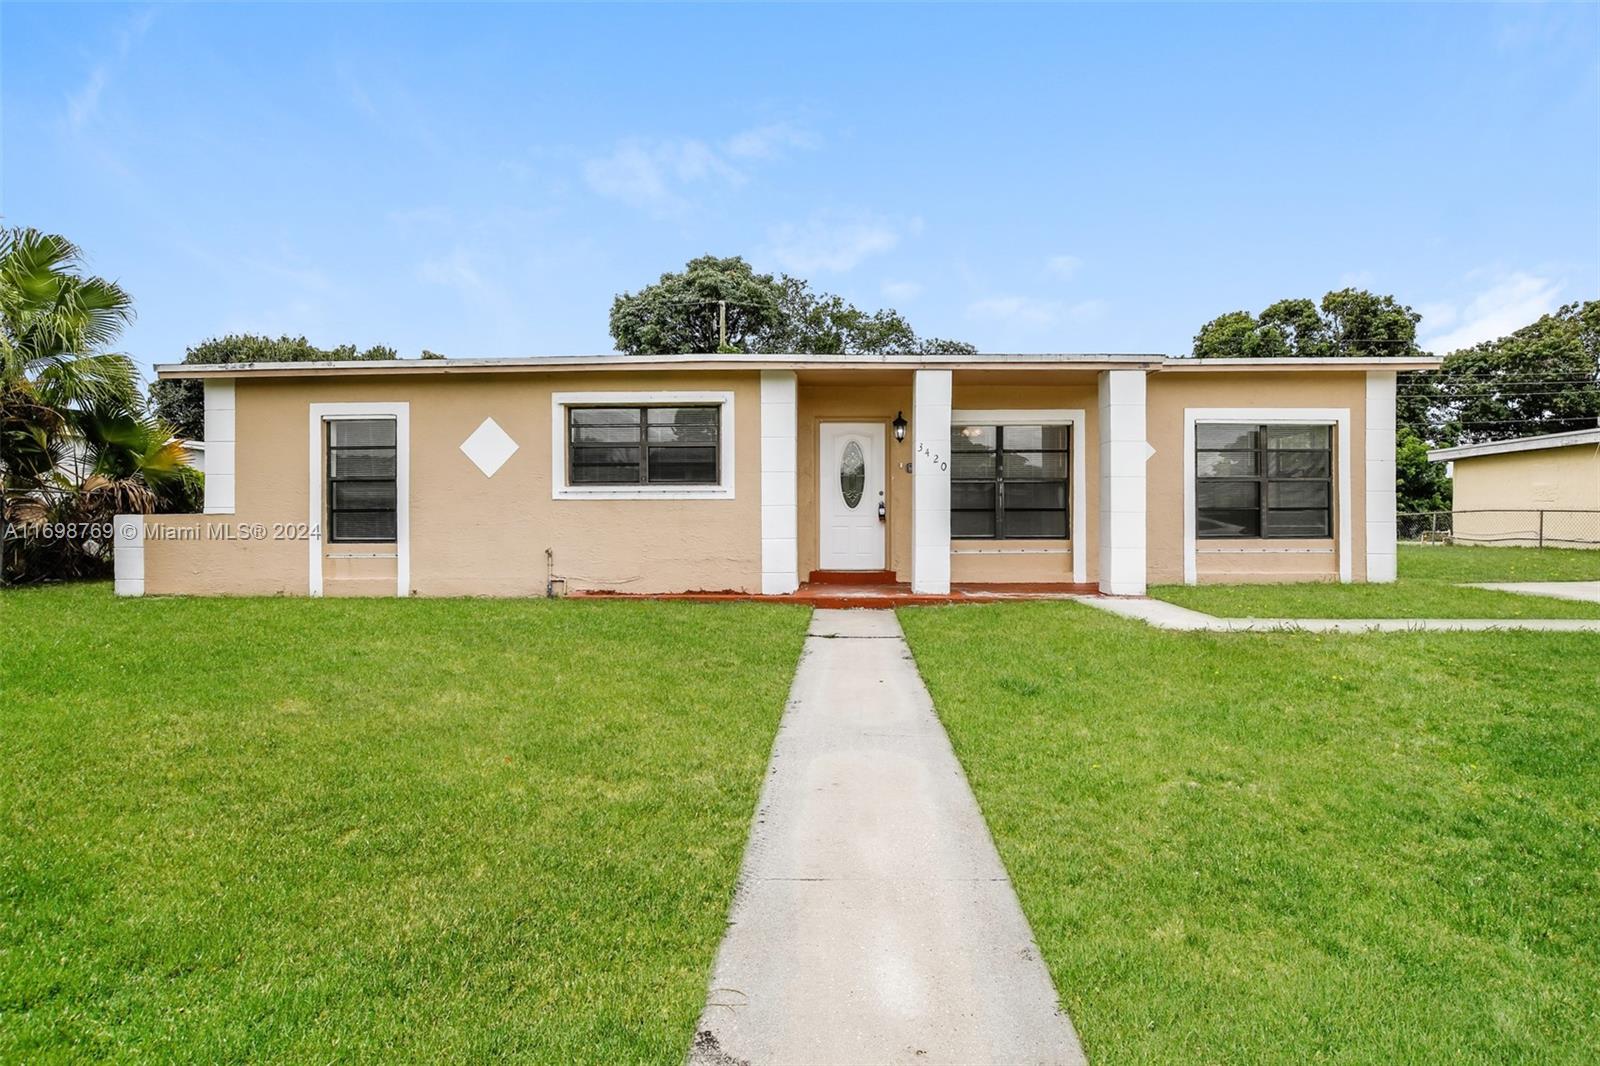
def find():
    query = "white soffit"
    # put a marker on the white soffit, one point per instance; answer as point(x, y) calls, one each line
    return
point(489, 447)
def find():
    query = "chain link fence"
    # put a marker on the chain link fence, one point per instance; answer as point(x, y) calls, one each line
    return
point(1507, 528)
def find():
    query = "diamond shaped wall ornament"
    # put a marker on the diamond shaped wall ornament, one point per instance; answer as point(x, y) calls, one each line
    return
point(489, 447)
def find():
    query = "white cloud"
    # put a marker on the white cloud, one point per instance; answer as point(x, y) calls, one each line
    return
point(1030, 311)
point(658, 174)
point(1513, 301)
point(1063, 266)
point(901, 291)
point(769, 141)
point(455, 271)
point(84, 104)
point(653, 174)
point(830, 241)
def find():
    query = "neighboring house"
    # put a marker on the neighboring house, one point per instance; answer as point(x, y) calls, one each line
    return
point(194, 453)
point(748, 473)
point(1530, 491)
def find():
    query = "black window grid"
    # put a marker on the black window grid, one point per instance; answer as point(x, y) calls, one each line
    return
point(333, 452)
point(1263, 479)
point(644, 445)
point(999, 481)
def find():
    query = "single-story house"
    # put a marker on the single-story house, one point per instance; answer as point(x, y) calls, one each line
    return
point(1542, 490)
point(755, 473)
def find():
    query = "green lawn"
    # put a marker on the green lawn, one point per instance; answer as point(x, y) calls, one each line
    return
point(372, 830)
point(1428, 588)
point(1288, 847)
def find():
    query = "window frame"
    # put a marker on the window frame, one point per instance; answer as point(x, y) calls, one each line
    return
point(1263, 478)
point(330, 479)
point(999, 479)
point(562, 487)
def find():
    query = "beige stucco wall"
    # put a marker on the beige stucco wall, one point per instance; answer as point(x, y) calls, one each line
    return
point(471, 534)
point(1169, 394)
point(1551, 479)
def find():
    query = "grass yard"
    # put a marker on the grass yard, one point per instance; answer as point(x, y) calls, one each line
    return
point(1290, 848)
point(1428, 588)
point(373, 830)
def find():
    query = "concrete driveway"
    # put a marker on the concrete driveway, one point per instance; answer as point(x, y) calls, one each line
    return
point(873, 922)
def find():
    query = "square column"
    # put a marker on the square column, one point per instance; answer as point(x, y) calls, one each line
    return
point(930, 482)
point(220, 416)
point(1124, 449)
point(1380, 483)
point(779, 426)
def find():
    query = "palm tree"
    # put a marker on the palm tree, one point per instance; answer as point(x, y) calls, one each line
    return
point(76, 443)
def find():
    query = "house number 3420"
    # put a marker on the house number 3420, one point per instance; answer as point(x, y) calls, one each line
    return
point(933, 456)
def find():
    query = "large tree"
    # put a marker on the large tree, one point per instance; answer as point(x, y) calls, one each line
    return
point(1350, 323)
point(1543, 378)
point(182, 403)
point(77, 445)
point(684, 312)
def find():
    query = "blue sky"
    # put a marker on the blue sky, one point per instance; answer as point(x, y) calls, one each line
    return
point(482, 180)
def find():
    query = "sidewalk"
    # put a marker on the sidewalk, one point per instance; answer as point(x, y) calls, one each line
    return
point(874, 922)
point(1164, 615)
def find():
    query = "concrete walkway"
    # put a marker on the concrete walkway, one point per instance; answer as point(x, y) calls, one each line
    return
point(1586, 591)
point(873, 922)
point(1164, 615)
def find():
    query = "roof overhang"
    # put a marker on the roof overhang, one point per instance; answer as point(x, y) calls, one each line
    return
point(745, 361)
point(1543, 442)
point(1345, 366)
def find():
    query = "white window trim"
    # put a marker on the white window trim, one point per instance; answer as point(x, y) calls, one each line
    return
point(1338, 417)
point(1073, 417)
point(561, 490)
point(401, 413)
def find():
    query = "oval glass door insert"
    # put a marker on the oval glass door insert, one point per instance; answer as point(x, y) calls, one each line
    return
point(852, 474)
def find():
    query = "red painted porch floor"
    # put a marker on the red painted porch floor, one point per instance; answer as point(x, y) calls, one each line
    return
point(835, 593)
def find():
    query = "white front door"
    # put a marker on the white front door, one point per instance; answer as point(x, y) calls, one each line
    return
point(850, 493)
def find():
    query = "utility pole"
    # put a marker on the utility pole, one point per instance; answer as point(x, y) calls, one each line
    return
point(722, 324)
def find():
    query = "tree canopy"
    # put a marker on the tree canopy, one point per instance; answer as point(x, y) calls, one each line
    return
point(1350, 323)
point(182, 404)
point(783, 314)
point(1543, 378)
point(77, 444)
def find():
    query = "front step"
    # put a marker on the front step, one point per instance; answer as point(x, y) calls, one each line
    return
point(853, 577)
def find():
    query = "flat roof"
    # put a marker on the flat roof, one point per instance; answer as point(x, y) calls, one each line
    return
point(1520, 444)
point(751, 361)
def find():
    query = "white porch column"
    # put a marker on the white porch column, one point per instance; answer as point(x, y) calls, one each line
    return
point(930, 498)
point(779, 427)
point(1123, 452)
point(1380, 486)
point(219, 445)
point(127, 555)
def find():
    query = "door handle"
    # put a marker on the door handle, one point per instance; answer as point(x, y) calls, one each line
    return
point(882, 512)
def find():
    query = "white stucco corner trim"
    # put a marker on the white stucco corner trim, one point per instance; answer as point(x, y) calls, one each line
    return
point(780, 555)
point(1338, 417)
point(930, 482)
point(1060, 416)
point(321, 413)
point(220, 424)
point(1382, 550)
point(560, 490)
point(127, 554)
point(1124, 452)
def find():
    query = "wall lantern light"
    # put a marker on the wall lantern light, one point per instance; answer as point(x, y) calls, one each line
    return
point(899, 424)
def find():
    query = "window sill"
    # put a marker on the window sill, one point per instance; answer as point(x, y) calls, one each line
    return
point(644, 492)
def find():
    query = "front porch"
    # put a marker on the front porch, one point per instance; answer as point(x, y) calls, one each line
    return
point(864, 470)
